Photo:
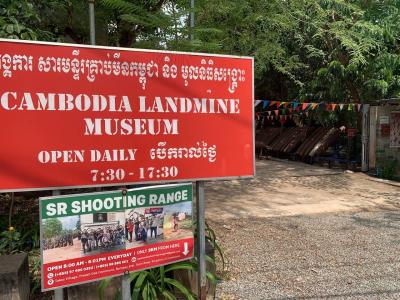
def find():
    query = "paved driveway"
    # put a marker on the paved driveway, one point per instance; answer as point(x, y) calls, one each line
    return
point(303, 232)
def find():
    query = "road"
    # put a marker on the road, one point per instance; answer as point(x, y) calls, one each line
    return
point(303, 232)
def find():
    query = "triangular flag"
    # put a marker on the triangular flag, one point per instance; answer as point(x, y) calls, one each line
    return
point(306, 113)
point(295, 104)
point(284, 104)
point(359, 107)
point(341, 106)
point(314, 105)
point(290, 110)
point(271, 103)
point(334, 106)
point(256, 102)
point(265, 103)
point(269, 113)
point(283, 111)
point(277, 112)
point(278, 104)
point(350, 106)
point(305, 105)
point(298, 108)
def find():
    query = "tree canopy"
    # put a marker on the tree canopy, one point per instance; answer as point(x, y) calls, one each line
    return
point(313, 50)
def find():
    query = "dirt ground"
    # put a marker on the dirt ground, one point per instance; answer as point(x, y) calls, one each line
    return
point(303, 232)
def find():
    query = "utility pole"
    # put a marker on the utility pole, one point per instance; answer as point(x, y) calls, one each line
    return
point(92, 24)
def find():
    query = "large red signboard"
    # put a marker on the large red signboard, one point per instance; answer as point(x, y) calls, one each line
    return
point(74, 115)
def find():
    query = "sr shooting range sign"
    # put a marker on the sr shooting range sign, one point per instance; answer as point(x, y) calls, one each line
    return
point(80, 116)
point(87, 237)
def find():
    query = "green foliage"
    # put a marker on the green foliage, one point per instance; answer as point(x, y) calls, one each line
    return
point(52, 228)
point(313, 50)
point(19, 20)
point(156, 283)
point(159, 283)
point(10, 242)
point(388, 169)
point(34, 270)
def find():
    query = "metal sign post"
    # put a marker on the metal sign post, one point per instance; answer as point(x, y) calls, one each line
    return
point(126, 283)
point(92, 23)
point(201, 241)
point(58, 293)
point(126, 287)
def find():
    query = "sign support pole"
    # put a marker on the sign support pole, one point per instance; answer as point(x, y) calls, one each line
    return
point(126, 287)
point(92, 23)
point(58, 293)
point(126, 283)
point(201, 241)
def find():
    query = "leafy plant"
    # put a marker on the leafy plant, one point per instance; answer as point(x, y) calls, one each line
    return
point(10, 242)
point(34, 270)
point(212, 238)
point(159, 283)
point(156, 283)
point(388, 169)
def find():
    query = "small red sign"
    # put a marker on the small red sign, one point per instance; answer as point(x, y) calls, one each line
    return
point(154, 210)
point(351, 132)
point(78, 270)
point(385, 130)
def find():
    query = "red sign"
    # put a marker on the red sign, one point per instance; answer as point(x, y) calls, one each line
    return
point(80, 116)
point(154, 210)
point(351, 132)
point(385, 130)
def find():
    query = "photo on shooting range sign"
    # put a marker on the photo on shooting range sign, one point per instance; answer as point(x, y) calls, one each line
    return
point(87, 237)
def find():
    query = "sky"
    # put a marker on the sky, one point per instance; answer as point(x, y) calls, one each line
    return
point(69, 222)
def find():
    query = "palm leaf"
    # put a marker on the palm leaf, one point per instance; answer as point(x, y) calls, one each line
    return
point(184, 290)
point(139, 284)
point(168, 295)
point(102, 286)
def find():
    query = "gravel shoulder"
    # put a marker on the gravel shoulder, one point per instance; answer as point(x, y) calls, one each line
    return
point(303, 232)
